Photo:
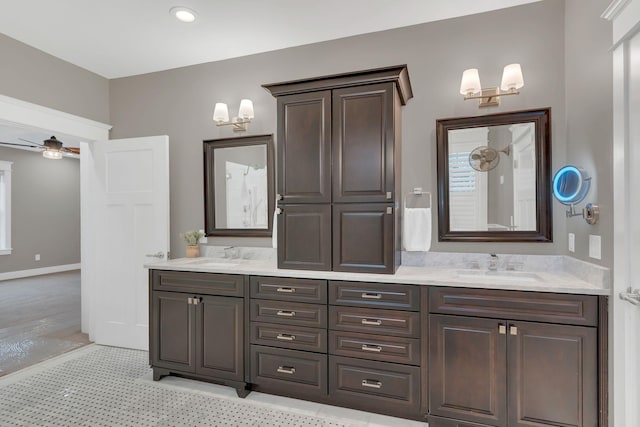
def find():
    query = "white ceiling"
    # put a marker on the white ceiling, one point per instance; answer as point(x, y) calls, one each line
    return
point(118, 38)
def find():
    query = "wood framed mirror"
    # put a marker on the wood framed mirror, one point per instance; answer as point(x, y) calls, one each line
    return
point(239, 190)
point(494, 177)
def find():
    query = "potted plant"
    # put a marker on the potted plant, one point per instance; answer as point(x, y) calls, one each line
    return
point(191, 238)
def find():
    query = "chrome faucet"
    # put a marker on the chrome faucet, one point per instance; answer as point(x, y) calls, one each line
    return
point(493, 262)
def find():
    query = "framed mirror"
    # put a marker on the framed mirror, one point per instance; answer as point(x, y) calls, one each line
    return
point(239, 186)
point(494, 182)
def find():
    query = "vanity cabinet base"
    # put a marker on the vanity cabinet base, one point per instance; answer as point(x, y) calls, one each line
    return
point(242, 389)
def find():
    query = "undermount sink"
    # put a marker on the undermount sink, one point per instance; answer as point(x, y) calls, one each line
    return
point(485, 275)
point(213, 264)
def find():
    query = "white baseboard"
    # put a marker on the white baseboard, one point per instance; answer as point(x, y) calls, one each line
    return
point(38, 271)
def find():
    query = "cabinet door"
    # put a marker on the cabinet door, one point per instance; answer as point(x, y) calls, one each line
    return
point(172, 331)
point(304, 237)
point(220, 337)
point(552, 375)
point(363, 238)
point(304, 147)
point(467, 369)
point(363, 143)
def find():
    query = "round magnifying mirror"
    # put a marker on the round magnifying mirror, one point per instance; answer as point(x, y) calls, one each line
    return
point(571, 185)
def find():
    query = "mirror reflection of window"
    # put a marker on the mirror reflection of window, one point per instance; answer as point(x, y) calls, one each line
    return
point(492, 178)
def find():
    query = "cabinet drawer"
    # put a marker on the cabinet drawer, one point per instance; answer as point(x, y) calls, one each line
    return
point(516, 305)
point(287, 336)
point(200, 283)
point(287, 289)
point(388, 388)
point(384, 322)
point(375, 347)
point(289, 313)
point(288, 372)
point(384, 295)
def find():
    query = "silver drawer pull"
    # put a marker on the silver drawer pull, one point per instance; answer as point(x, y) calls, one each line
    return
point(286, 313)
point(375, 322)
point(372, 383)
point(367, 295)
point(374, 348)
point(286, 337)
point(286, 370)
point(286, 290)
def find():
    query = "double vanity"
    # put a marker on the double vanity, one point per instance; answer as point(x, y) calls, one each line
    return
point(453, 346)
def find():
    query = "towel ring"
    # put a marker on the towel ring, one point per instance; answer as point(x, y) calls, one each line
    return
point(415, 198)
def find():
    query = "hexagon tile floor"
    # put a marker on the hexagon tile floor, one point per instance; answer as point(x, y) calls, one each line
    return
point(107, 386)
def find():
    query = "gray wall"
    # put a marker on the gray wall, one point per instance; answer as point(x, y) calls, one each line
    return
point(589, 88)
point(31, 75)
point(180, 102)
point(45, 211)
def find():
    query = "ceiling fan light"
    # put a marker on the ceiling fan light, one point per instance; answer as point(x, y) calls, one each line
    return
point(52, 154)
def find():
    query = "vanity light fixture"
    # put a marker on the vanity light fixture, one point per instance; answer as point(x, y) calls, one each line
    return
point(470, 87)
point(183, 14)
point(245, 114)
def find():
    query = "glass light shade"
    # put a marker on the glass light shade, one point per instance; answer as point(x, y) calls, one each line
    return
point(221, 112)
point(246, 109)
point(512, 78)
point(470, 83)
point(52, 154)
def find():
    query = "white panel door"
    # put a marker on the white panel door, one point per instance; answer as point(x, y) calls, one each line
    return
point(131, 204)
point(625, 329)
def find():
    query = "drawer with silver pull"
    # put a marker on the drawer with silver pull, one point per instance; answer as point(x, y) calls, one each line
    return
point(376, 321)
point(382, 295)
point(368, 385)
point(289, 313)
point(288, 336)
point(375, 347)
point(289, 289)
point(288, 372)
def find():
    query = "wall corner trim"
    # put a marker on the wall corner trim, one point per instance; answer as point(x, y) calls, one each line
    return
point(38, 271)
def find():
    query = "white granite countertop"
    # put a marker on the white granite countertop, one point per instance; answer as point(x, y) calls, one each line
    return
point(539, 281)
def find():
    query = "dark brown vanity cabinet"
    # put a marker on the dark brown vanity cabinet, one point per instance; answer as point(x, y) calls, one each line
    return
point(375, 347)
point(198, 334)
point(339, 152)
point(492, 366)
point(289, 336)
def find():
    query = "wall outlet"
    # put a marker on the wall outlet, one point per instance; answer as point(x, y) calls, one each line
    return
point(572, 242)
point(37, 257)
point(595, 246)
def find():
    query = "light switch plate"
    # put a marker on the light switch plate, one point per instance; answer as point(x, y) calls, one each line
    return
point(572, 242)
point(37, 257)
point(595, 246)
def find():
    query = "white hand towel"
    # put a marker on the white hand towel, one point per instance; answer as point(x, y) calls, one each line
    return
point(416, 229)
point(274, 230)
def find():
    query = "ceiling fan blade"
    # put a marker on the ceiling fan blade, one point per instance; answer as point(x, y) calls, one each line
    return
point(20, 145)
point(31, 142)
point(72, 150)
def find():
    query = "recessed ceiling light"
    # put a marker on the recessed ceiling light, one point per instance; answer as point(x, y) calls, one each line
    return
point(183, 14)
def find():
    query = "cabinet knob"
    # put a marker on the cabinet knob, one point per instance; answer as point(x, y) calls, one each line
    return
point(368, 295)
point(502, 329)
point(286, 313)
point(286, 337)
point(513, 330)
point(389, 195)
point(373, 348)
point(372, 383)
point(189, 300)
point(279, 211)
point(286, 370)
point(389, 210)
point(279, 197)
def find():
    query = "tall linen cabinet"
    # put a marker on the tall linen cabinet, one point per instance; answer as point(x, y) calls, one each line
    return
point(338, 163)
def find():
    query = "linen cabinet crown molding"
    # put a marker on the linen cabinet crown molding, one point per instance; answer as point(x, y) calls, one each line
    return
point(397, 74)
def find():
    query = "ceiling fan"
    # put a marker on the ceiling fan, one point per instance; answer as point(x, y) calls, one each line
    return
point(485, 158)
point(51, 148)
